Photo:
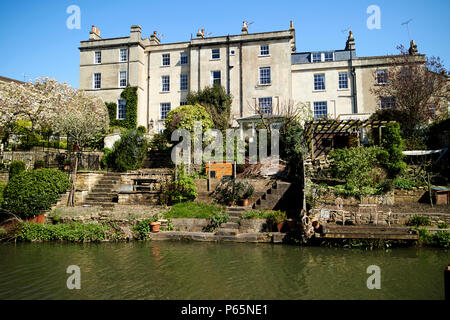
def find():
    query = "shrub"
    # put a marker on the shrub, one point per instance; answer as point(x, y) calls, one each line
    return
point(106, 161)
point(2, 187)
point(230, 189)
point(184, 117)
point(142, 229)
point(216, 220)
point(181, 189)
point(418, 221)
point(276, 217)
point(244, 190)
point(217, 103)
point(441, 239)
point(71, 231)
point(442, 225)
point(359, 167)
point(33, 192)
point(15, 168)
point(159, 142)
point(392, 142)
point(38, 164)
point(404, 184)
point(129, 152)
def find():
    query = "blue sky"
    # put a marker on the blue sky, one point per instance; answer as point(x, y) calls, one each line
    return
point(34, 38)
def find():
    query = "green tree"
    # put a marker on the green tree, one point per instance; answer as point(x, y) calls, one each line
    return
point(129, 152)
point(184, 117)
point(392, 142)
point(358, 167)
point(216, 102)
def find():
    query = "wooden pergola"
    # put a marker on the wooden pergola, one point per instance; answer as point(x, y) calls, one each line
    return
point(320, 130)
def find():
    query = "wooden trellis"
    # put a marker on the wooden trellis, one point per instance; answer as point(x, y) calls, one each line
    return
point(317, 130)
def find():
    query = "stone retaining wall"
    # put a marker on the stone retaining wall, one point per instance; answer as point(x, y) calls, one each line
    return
point(191, 225)
point(89, 160)
point(139, 197)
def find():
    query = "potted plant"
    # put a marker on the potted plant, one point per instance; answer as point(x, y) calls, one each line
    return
point(155, 224)
point(66, 165)
point(244, 190)
point(277, 218)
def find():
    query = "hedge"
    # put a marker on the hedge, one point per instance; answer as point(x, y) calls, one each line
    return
point(33, 192)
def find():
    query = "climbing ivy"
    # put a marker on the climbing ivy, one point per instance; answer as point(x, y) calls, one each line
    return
point(130, 121)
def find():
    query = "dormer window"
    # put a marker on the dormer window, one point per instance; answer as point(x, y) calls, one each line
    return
point(329, 56)
point(316, 57)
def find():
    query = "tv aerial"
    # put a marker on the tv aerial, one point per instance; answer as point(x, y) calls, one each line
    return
point(407, 27)
point(346, 29)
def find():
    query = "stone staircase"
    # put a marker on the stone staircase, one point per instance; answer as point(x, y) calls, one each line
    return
point(231, 228)
point(103, 193)
point(270, 199)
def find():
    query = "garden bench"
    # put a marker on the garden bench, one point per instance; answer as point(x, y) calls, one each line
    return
point(143, 184)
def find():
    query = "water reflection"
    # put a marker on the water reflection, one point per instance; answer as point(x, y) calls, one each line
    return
point(178, 270)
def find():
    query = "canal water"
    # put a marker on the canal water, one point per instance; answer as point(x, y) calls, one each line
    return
point(196, 270)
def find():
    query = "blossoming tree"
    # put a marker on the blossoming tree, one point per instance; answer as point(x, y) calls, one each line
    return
point(50, 104)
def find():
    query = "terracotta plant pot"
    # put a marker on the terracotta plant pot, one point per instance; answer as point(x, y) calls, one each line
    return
point(155, 226)
point(38, 219)
point(280, 226)
point(244, 202)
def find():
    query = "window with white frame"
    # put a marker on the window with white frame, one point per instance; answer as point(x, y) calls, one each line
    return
point(183, 81)
point(265, 105)
point(215, 53)
point(320, 109)
point(387, 103)
point(381, 76)
point(166, 59)
point(264, 75)
point(165, 109)
point(97, 80)
point(329, 56)
point(122, 79)
point(264, 50)
point(165, 83)
point(215, 77)
point(121, 109)
point(183, 103)
point(319, 81)
point(123, 55)
point(98, 57)
point(183, 58)
point(316, 57)
point(343, 80)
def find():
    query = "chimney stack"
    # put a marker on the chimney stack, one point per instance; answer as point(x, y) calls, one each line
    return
point(94, 34)
point(413, 48)
point(292, 25)
point(350, 44)
point(154, 40)
point(244, 27)
point(135, 33)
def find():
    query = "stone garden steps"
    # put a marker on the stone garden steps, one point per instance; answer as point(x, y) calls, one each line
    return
point(103, 193)
point(272, 196)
